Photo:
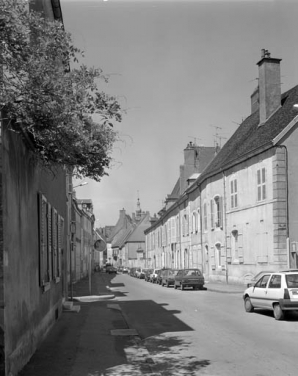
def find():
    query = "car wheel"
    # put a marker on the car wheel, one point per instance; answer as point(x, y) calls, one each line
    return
point(181, 287)
point(247, 305)
point(278, 312)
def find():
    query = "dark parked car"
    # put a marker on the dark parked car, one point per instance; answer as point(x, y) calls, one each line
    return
point(111, 269)
point(147, 274)
point(158, 277)
point(189, 278)
point(168, 277)
point(132, 272)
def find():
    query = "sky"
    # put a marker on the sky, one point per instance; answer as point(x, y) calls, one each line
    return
point(183, 71)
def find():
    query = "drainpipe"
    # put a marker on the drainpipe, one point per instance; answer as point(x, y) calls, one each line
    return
point(224, 215)
point(201, 233)
point(287, 207)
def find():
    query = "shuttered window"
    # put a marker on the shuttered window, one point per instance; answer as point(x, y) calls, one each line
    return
point(51, 230)
point(261, 184)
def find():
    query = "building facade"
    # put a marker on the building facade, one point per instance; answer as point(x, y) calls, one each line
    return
point(239, 216)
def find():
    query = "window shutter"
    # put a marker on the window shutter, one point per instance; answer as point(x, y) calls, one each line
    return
point(60, 244)
point(240, 245)
point(220, 219)
point(54, 242)
point(229, 256)
point(212, 213)
point(42, 207)
point(49, 253)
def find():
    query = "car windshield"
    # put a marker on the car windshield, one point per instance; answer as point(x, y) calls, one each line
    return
point(173, 272)
point(292, 280)
point(192, 272)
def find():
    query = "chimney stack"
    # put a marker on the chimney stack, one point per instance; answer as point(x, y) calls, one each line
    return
point(269, 85)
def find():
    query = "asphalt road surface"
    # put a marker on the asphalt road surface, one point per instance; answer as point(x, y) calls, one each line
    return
point(202, 333)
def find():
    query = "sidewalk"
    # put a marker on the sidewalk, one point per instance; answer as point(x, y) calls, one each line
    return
point(227, 288)
point(81, 344)
point(92, 342)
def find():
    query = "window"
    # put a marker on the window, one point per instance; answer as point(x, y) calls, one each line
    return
point(178, 227)
point(234, 245)
point(194, 222)
point(218, 254)
point(234, 198)
point(261, 184)
point(44, 241)
point(262, 283)
point(292, 280)
point(216, 212)
point(205, 216)
point(275, 282)
point(51, 230)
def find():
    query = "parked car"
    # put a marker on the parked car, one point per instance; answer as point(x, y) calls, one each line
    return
point(142, 273)
point(111, 269)
point(125, 270)
point(132, 272)
point(189, 278)
point(158, 277)
point(137, 272)
point(276, 291)
point(168, 277)
point(147, 274)
point(258, 276)
point(153, 275)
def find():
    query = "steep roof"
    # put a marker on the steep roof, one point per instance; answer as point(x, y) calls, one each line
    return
point(124, 222)
point(121, 236)
point(137, 234)
point(250, 138)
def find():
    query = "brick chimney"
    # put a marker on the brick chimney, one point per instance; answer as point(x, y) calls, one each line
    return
point(269, 86)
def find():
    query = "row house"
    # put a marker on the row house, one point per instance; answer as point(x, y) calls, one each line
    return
point(126, 241)
point(82, 242)
point(33, 241)
point(239, 216)
point(43, 234)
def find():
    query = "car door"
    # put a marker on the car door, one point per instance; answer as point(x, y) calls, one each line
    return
point(258, 295)
point(273, 291)
point(178, 277)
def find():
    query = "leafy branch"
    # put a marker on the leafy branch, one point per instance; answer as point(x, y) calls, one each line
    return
point(49, 101)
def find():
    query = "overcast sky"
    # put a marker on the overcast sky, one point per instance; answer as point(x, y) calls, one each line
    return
point(180, 69)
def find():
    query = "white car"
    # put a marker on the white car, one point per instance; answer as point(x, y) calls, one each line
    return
point(275, 291)
point(153, 275)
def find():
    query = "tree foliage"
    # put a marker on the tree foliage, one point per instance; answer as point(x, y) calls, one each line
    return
point(49, 101)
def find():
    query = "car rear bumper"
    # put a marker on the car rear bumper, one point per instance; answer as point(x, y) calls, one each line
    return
point(288, 305)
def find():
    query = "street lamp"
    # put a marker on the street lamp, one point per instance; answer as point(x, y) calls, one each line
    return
point(80, 185)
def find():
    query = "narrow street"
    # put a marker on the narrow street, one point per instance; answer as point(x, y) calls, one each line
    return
point(204, 333)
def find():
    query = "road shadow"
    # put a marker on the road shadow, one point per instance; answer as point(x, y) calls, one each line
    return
point(150, 318)
point(170, 356)
point(165, 355)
